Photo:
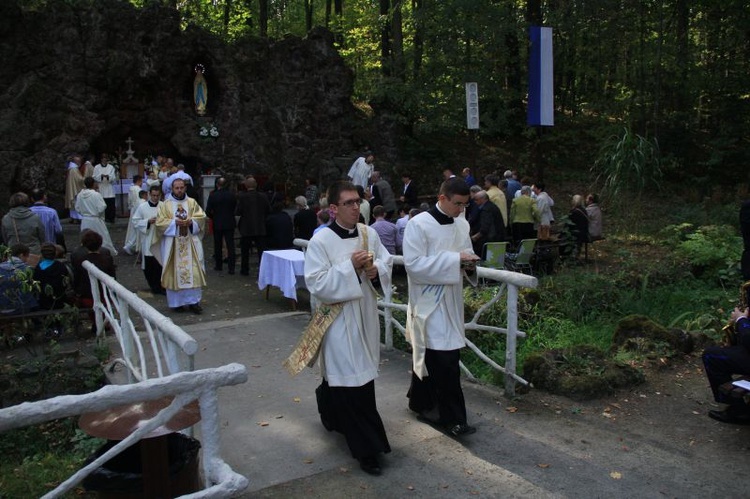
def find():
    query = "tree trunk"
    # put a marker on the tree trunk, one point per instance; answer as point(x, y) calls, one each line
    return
point(328, 12)
point(263, 18)
point(308, 15)
point(227, 11)
point(418, 10)
point(385, 37)
point(397, 40)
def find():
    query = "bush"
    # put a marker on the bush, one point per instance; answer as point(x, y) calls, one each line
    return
point(713, 251)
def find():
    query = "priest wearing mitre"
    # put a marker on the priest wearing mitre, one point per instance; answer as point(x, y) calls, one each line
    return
point(180, 222)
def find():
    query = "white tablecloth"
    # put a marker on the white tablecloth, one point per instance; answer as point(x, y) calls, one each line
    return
point(284, 269)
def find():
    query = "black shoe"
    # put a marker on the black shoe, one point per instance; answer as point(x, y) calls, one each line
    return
point(179, 309)
point(731, 415)
point(370, 465)
point(461, 430)
point(196, 308)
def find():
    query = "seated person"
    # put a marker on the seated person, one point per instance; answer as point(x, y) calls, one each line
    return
point(54, 279)
point(91, 242)
point(722, 362)
point(16, 282)
point(279, 228)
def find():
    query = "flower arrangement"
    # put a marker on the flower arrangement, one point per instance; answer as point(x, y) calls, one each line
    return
point(209, 131)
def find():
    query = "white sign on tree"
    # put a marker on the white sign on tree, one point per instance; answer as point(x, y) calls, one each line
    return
point(472, 106)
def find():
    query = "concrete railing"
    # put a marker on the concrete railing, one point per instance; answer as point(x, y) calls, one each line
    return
point(168, 350)
point(509, 285)
point(219, 479)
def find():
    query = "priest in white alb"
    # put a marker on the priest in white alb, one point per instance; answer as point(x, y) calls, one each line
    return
point(344, 264)
point(73, 185)
point(144, 221)
point(361, 170)
point(91, 206)
point(438, 256)
point(106, 175)
point(132, 236)
point(177, 246)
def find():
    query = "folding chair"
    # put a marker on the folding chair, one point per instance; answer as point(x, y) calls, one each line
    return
point(519, 262)
point(494, 255)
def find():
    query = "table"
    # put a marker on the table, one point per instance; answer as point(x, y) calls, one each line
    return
point(284, 269)
point(118, 422)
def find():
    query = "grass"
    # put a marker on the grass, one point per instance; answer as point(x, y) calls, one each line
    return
point(38, 458)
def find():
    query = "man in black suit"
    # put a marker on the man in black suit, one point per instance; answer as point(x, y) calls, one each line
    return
point(220, 208)
point(409, 195)
point(253, 208)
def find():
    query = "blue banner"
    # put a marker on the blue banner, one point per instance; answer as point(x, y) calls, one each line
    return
point(541, 92)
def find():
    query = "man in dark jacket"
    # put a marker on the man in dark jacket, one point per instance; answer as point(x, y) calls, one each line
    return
point(487, 226)
point(21, 225)
point(722, 362)
point(745, 227)
point(305, 220)
point(220, 208)
point(252, 208)
point(382, 195)
point(279, 228)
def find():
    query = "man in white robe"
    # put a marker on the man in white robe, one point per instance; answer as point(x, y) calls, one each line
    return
point(361, 170)
point(106, 175)
point(132, 236)
point(73, 185)
point(341, 268)
point(177, 246)
point(144, 221)
point(438, 255)
point(91, 207)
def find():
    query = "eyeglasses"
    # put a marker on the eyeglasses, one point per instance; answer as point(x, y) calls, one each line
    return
point(459, 204)
point(351, 202)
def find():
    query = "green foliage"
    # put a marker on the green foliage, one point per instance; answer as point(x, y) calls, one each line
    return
point(628, 163)
point(713, 251)
point(37, 458)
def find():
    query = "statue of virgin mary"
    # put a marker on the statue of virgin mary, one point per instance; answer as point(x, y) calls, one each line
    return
point(200, 90)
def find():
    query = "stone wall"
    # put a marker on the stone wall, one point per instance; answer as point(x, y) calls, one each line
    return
point(82, 77)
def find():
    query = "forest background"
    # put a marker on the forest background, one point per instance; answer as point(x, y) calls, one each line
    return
point(651, 110)
point(667, 73)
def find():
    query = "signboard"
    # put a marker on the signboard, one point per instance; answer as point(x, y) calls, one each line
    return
point(472, 106)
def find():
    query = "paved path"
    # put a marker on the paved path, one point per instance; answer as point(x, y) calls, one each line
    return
point(271, 433)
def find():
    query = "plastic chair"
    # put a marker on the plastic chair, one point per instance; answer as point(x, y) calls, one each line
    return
point(494, 255)
point(519, 262)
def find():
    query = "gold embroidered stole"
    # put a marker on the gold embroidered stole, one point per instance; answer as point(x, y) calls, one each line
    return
point(307, 349)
